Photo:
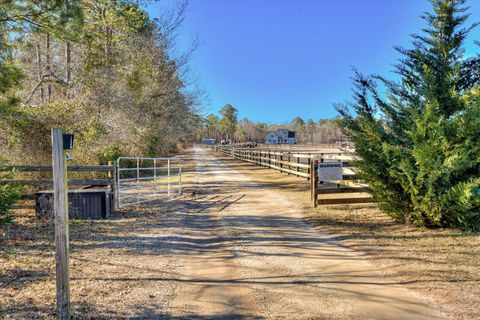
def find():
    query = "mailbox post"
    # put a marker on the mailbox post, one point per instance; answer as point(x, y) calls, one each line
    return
point(61, 143)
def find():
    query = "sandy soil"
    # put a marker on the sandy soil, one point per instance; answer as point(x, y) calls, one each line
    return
point(252, 255)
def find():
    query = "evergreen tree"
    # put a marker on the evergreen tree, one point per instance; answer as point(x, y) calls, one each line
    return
point(298, 124)
point(17, 18)
point(420, 146)
point(311, 127)
point(229, 121)
point(212, 126)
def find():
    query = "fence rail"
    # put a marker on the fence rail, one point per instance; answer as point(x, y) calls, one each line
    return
point(49, 168)
point(110, 170)
point(49, 182)
point(305, 165)
point(294, 163)
point(334, 145)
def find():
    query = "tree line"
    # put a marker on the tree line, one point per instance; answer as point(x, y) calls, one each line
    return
point(101, 69)
point(228, 127)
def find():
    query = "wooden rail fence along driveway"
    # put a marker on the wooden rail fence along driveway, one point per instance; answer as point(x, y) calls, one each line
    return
point(306, 165)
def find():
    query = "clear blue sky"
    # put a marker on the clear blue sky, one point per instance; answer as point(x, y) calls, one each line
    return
point(274, 60)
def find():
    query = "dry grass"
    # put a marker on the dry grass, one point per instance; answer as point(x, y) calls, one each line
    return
point(443, 264)
point(112, 265)
point(102, 253)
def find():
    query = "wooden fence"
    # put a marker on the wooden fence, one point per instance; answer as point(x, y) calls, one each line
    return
point(305, 165)
point(108, 181)
point(304, 147)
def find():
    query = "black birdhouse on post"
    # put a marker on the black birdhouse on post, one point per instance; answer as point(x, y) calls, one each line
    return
point(67, 141)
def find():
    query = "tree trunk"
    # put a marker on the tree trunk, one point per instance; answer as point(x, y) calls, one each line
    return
point(49, 67)
point(68, 73)
point(106, 31)
point(39, 72)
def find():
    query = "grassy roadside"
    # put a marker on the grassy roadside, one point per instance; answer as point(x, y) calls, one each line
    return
point(110, 264)
point(100, 252)
point(442, 264)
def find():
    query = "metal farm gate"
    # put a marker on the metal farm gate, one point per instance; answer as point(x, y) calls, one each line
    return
point(140, 180)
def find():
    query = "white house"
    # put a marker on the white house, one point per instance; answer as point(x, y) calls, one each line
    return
point(282, 136)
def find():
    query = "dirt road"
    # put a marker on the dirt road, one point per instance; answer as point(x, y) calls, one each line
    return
point(233, 250)
point(247, 253)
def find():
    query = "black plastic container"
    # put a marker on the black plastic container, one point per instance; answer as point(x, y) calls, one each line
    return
point(82, 204)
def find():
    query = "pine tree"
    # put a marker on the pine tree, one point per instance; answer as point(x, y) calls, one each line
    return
point(229, 120)
point(420, 146)
point(17, 18)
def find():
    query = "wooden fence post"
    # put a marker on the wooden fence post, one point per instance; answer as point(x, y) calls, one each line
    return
point(322, 160)
point(313, 182)
point(298, 161)
point(60, 209)
point(111, 175)
point(289, 161)
point(309, 167)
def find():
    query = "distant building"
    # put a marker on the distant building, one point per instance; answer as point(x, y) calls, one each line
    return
point(209, 141)
point(282, 136)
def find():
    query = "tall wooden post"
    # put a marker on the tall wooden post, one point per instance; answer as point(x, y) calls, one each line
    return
point(60, 209)
point(313, 182)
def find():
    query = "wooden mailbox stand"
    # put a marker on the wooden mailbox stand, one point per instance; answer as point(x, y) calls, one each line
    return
point(60, 209)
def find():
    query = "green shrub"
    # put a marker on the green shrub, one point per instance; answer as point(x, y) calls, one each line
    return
point(9, 194)
point(156, 146)
point(110, 153)
point(420, 146)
